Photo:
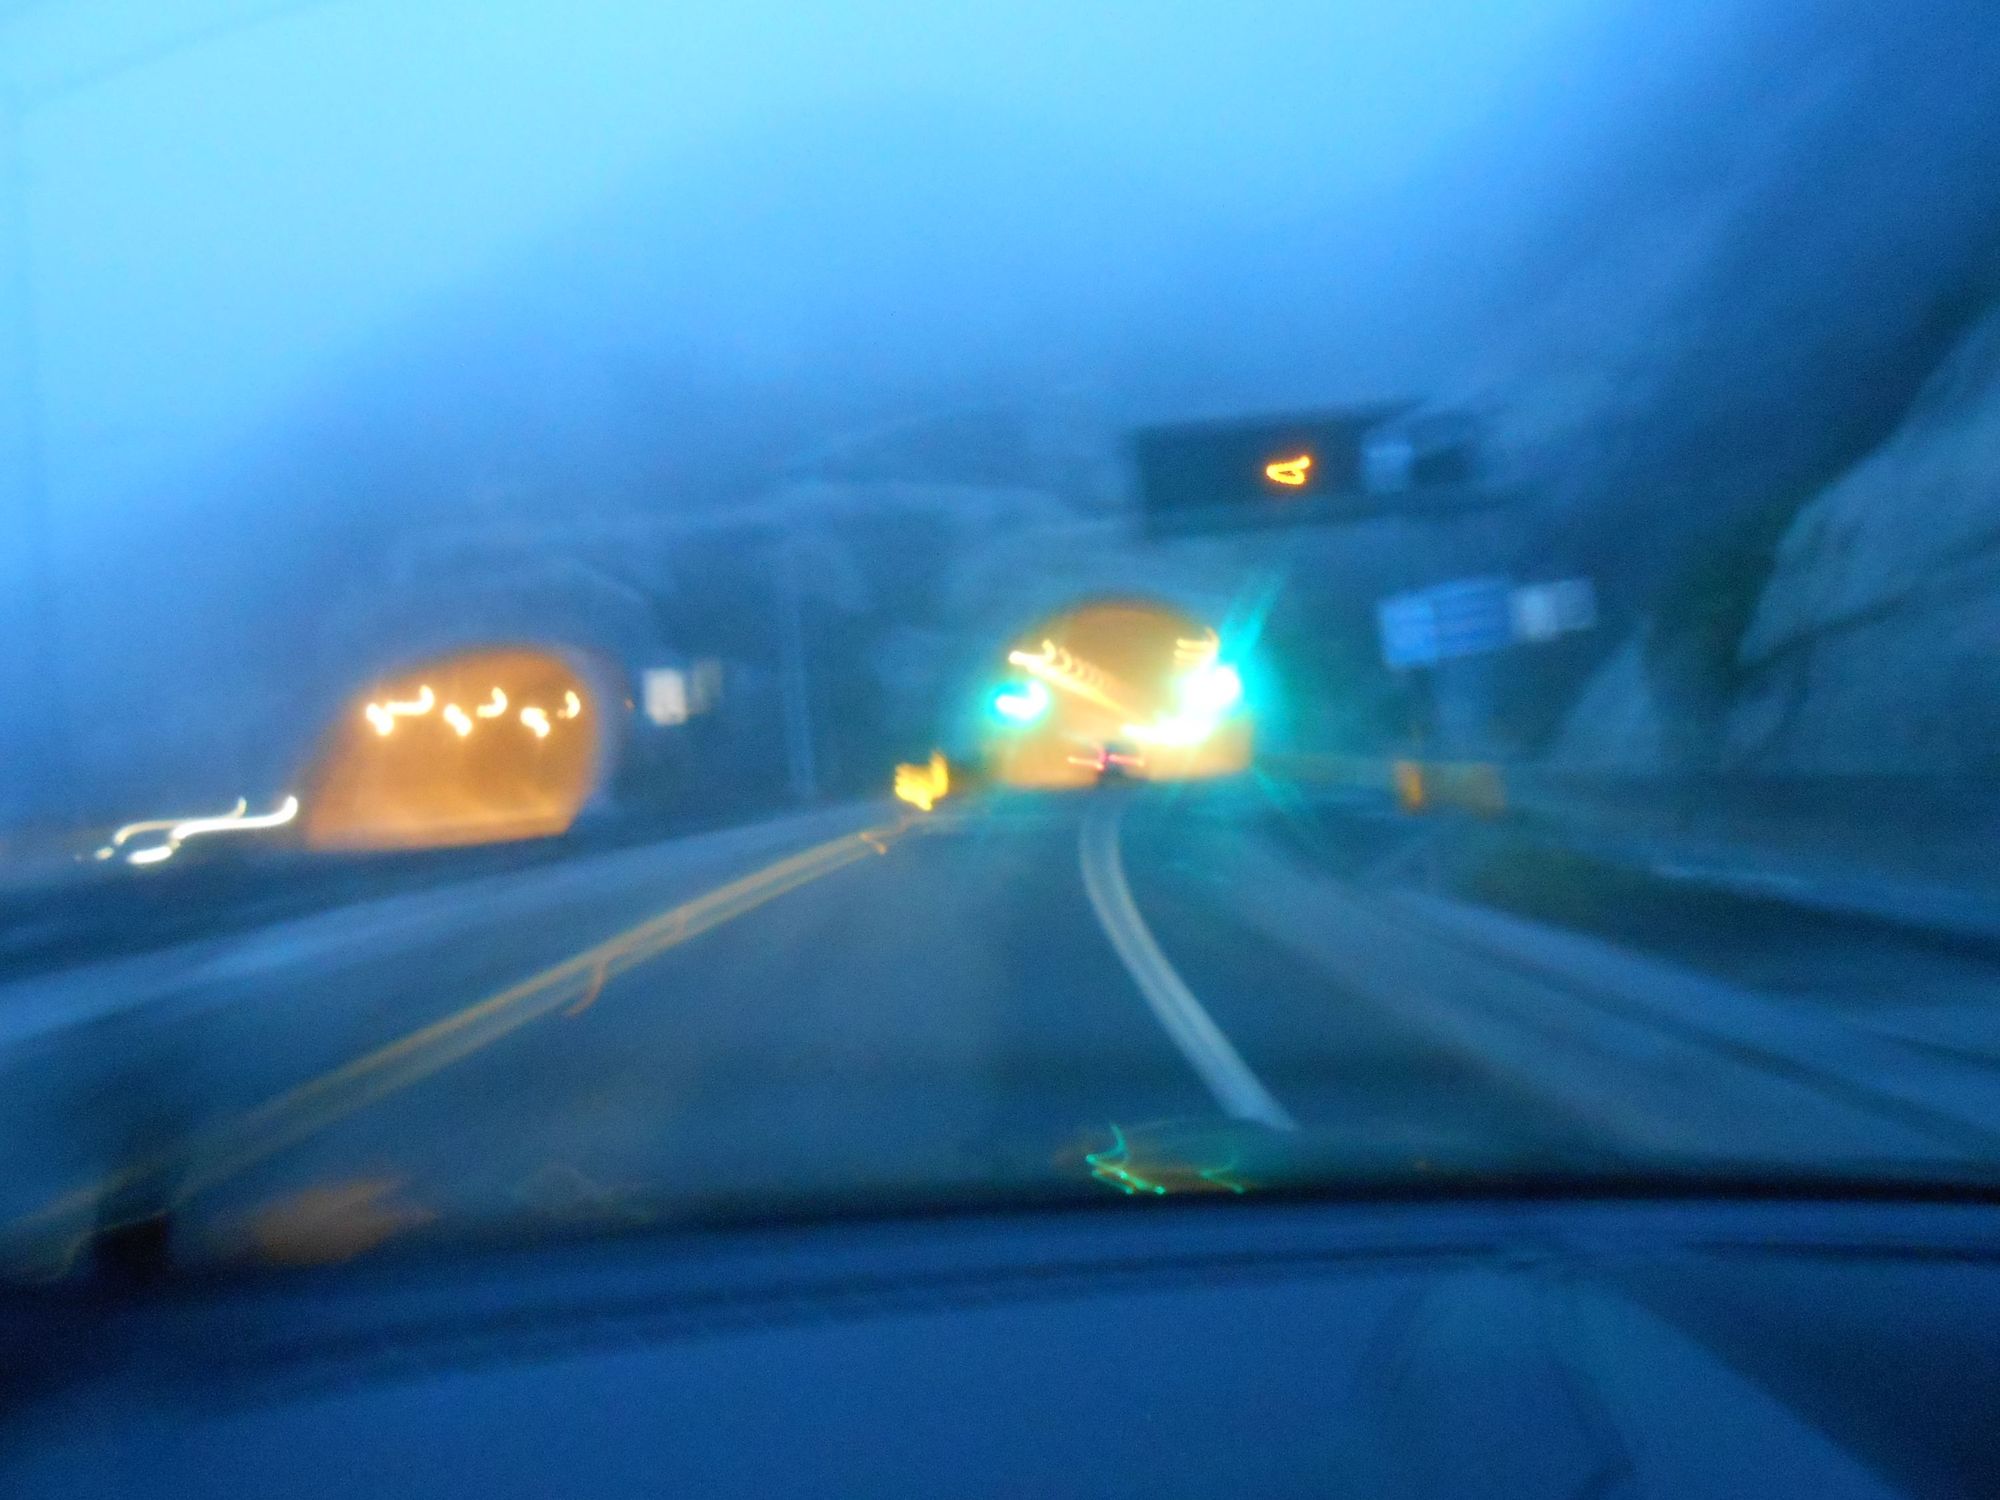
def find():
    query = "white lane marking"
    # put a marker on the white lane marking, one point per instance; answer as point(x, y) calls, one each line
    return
point(1238, 1090)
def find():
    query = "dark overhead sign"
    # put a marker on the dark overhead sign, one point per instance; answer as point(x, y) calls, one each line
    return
point(1315, 466)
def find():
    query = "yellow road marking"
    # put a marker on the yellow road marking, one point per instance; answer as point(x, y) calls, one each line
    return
point(303, 1111)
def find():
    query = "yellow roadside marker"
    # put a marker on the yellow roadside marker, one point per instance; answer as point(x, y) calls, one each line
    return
point(923, 787)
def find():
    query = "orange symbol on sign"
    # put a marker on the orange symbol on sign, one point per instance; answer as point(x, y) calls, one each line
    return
point(1290, 471)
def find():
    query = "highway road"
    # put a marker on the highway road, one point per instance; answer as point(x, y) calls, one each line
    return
point(1121, 993)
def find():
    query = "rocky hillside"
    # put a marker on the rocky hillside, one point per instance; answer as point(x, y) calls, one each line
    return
point(1876, 642)
point(1729, 405)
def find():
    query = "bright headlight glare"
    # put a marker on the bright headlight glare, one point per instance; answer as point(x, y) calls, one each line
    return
point(1022, 705)
point(1212, 689)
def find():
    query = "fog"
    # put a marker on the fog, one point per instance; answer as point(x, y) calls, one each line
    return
point(221, 229)
point(295, 282)
point(290, 270)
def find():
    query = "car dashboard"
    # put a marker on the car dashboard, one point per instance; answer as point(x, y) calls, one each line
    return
point(1523, 1348)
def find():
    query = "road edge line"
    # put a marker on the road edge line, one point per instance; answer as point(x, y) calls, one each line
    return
point(1188, 1025)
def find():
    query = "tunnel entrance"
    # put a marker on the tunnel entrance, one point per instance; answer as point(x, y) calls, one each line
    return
point(1128, 687)
point(474, 748)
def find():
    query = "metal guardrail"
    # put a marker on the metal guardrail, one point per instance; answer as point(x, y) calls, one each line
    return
point(1918, 850)
point(1416, 786)
point(1943, 830)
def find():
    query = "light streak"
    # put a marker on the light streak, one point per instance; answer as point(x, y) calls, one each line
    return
point(1109, 1167)
point(1061, 669)
point(195, 827)
point(572, 705)
point(1116, 1167)
point(179, 830)
point(160, 825)
point(493, 707)
point(458, 719)
point(384, 715)
point(1289, 471)
point(1197, 653)
point(537, 720)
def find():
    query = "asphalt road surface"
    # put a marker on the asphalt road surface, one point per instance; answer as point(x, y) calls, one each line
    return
point(1118, 993)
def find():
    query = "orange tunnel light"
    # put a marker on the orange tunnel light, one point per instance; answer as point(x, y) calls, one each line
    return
point(1129, 675)
point(395, 772)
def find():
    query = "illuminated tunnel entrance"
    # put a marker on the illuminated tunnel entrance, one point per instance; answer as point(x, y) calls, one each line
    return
point(469, 749)
point(1128, 684)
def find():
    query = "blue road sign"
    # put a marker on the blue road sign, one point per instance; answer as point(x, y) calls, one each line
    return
point(1465, 617)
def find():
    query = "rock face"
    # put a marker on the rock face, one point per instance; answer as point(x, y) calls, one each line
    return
point(1765, 413)
point(1616, 724)
point(1876, 644)
point(1755, 312)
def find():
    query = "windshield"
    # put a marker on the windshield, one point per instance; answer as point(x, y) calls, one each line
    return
point(637, 615)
